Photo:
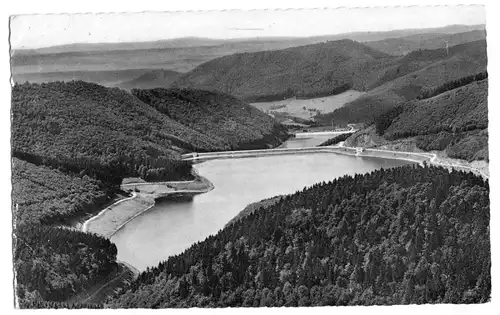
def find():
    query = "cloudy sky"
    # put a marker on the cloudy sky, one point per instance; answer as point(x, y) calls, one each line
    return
point(34, 31)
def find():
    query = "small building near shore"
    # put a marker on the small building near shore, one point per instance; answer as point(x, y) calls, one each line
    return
point(359, 150)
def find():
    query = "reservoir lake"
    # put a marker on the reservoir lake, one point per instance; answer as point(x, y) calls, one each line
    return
point(170, 227)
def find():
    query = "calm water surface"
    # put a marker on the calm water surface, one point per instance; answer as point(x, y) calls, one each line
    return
point(305, 142)
point(171, 227)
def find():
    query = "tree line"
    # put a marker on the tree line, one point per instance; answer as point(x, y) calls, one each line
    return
point(451, 85)
point(335, 140)
point(302, 94)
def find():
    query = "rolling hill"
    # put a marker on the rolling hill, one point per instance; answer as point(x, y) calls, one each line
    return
point(403, 45)
point(396, 236)
point(72, 62)
point(305, 71)
point(454, 122)
point(82, 126)
point(407, 77)
point(461, 109)
point(103, 47)
point(73, 143)
point(223, 117)
point(184, 42)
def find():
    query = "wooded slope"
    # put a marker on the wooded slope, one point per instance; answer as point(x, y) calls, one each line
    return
point(225, 118)
point(405, 235)
point(304, 71)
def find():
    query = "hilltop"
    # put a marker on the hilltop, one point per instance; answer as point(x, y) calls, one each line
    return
point(85, 61)
point(223, 117)
point(331, 68)
point(87, 127)
point(454, 122)
point(407, 77)
point(192, 41)
point(77, 125)
point(406, 44)
point(305, 71)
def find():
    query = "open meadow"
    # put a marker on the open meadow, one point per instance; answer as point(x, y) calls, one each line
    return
point(308, 108)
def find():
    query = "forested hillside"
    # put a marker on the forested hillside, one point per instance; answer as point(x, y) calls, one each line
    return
point(105, 132)
point(110, 134)
point(45, 195)
point(73, 143)
point(411, 234)
point(455, 121)
point(405, 235)
point(408, 78)
point(221, 116)
point(458, 110)
point(53, 263)
point(305, 71)
point(333, 67)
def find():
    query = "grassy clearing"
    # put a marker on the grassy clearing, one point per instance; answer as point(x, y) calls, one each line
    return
point(308, 108)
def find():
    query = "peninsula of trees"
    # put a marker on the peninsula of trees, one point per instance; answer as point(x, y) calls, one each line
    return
point(405, 235)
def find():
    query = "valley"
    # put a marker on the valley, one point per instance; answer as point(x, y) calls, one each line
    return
point(317, 171)
point(126, 64)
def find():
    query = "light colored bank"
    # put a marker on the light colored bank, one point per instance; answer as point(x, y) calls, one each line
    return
point(144, 196)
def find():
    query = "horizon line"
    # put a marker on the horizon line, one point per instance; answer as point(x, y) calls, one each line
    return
point(240, 38)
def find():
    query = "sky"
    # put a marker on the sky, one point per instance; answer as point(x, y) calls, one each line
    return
point(36, 31)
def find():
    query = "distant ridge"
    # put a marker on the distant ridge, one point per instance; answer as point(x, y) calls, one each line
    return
point(305, 71)
point(406, 44)
point(199, 41)
point(88, 47)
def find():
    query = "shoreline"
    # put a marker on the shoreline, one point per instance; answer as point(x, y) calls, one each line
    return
point(115, 216)
point(146, 194)
point(85, 224)
point(415, 157)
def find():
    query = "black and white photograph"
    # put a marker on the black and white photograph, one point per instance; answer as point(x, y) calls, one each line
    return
point(250, 158)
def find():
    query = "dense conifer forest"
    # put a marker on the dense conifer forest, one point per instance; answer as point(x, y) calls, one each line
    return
point(308, 71)
point(72, 145)
point(48, 196)
point(405, 235)
point(52, 264)
point(79, 126)
point(455, 120)
point(448, 86)
point(419, 74)
point(224, 117)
